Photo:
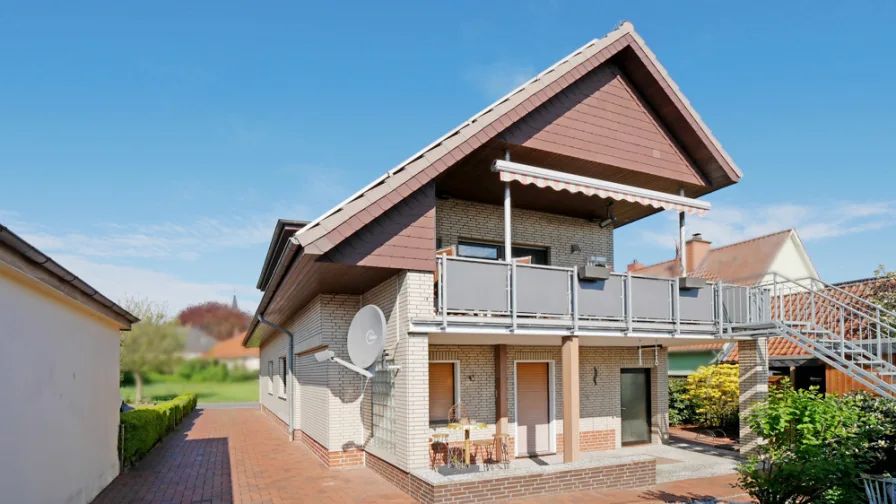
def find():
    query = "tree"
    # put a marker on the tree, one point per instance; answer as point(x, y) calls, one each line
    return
point(152, 343)
point(884, 293)
point(715, 390)
point(218, 320)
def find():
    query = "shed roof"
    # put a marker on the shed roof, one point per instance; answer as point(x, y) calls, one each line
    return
point(23, 256)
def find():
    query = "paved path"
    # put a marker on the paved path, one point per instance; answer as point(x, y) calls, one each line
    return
point(237, 455)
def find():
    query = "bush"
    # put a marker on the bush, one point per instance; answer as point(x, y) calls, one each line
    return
point(203, 370)
point(682, 410)
point(146, 425)
point(878, 429)
point(812, 449)
point(715, 392)
point(240, 373)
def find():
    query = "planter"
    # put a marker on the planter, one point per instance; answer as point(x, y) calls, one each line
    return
point(591, 273)
point(687, 283)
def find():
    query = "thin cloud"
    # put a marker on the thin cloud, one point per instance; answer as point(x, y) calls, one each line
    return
point(730, 224)
point(119, 282)
point(497, 79)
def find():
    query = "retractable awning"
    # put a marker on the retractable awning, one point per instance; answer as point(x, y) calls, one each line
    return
point(559, 181)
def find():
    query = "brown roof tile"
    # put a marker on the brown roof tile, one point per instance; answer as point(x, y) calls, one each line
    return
point(743, 262)
point(232, 348)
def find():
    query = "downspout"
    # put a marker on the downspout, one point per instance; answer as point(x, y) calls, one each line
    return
point(290, 392)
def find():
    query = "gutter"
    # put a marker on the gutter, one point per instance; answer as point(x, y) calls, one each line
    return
point(15, 242)
point(289, 364)
point(288, 257)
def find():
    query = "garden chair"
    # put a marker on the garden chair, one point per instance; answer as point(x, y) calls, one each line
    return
point(880, 490)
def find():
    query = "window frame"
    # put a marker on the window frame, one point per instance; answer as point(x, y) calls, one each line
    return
point(456, 366)
point(499, 250)
point(270, 377)
point(281, 390)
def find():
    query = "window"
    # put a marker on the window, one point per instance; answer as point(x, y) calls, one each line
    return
point(496, 252)
point(443, 392)
point(282, 389)
point(383, 408)
point(271, 377)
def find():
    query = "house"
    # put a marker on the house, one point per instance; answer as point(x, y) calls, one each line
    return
point(749, 262)
point(233, 354)
point(196, 342)
point(551, 347)
point(60, 369)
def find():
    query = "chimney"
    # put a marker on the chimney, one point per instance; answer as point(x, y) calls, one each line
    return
point(635, 266)
point(695, 250)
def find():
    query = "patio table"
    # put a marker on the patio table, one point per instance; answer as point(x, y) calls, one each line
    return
point(467, 428)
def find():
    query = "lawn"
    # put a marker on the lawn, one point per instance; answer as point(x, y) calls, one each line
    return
point(242, 391)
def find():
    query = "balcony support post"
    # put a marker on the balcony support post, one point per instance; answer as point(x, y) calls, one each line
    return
point(676, 300)
point(570, 364)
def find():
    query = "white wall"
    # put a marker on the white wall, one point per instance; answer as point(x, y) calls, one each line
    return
point(793, 262)
point(59, 397)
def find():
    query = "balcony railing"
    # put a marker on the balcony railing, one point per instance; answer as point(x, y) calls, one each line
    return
point(533, 294)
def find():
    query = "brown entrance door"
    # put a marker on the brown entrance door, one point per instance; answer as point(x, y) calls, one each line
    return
point(533, 408)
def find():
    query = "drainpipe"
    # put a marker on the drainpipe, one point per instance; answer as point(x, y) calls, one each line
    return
point(290, 393)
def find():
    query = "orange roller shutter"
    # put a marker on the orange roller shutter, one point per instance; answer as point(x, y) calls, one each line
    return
point(441, 390)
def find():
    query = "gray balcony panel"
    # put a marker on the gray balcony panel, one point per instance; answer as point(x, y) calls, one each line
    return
point(476, 286)
point(696, 304)
point(540, 290)
point(651, 299)
point(601, 298)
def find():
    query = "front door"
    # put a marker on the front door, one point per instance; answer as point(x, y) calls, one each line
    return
point(533, 421)
point(635, 401)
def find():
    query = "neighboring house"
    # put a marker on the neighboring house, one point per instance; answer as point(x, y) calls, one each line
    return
point(196, 342)
point(232, 353)
point(786, 359)
point(563, 365)
point(60, 397)
point(749, 262)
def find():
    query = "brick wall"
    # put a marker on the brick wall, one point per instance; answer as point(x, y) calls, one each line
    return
point(459, 220)
point(600, 424)
point(273, 348)
point(753, 384)
point(345, 386)
point(635, 474)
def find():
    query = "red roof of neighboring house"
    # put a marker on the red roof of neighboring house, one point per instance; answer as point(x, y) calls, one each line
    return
point(232, 348)
point(750, 259)
point(828, 316)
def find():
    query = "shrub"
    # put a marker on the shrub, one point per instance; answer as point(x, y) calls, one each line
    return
point(878, 429)
point(812, 449)
point(682, 410)
point(715, 391)
point(146, 425)
point(202, 370)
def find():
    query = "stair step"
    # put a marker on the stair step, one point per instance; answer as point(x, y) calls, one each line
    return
point(887, 373)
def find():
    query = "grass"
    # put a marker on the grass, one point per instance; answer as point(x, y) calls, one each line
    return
point(242, 391)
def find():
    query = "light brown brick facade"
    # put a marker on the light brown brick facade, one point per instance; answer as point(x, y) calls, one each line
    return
point(753, 384)
point(466, 220)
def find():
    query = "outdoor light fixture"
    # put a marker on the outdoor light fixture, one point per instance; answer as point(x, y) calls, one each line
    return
point(611, 219)
point(574, 248)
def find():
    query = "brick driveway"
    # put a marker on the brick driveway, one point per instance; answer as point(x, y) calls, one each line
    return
point(238, 455)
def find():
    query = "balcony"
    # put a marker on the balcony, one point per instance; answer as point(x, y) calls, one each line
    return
point(485, 295)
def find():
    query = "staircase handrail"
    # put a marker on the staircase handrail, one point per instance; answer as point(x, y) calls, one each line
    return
point(867, 302)
point(838, 303)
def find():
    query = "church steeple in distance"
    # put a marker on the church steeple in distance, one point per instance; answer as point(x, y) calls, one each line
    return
point(233, 304)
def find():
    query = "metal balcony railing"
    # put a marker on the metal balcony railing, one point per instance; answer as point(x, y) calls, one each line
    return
point(527, 292)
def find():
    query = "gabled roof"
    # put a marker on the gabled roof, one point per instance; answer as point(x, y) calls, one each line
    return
point(232, 348)
point(283, 230)
point(305, 248)
point(24, 257)
point(325, 232)
point(749, 259)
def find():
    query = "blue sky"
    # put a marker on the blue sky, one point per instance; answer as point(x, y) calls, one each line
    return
point(151, 148)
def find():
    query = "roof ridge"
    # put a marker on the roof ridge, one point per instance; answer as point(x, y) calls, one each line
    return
point(755, 238)
point(861, 280)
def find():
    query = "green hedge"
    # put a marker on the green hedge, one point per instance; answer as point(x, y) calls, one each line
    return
point(147, 425)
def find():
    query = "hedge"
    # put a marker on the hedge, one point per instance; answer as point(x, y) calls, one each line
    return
point(145, 426)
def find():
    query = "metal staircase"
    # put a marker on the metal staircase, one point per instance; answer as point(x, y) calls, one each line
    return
point(849, 333)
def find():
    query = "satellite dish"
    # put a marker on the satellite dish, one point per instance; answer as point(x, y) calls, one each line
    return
point(367, 336)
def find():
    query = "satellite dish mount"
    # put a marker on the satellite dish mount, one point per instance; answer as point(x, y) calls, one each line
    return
point(366, 340)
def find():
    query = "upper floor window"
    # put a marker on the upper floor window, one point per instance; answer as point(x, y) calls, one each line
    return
point(496, 252)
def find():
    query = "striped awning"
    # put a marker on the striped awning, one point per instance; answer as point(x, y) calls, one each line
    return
point(559, 181)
